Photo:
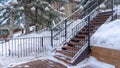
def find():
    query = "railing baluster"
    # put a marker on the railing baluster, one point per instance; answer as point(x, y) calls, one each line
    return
point(65, 29)
point(89, 31)
point(52, 38)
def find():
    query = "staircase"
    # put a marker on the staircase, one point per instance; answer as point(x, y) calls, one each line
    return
point(76, 49)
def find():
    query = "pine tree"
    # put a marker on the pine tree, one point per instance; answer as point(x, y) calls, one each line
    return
point(33, 11)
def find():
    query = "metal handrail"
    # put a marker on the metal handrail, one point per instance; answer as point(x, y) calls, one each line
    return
point(85, 46)
point(67, 17)
point(64, 23)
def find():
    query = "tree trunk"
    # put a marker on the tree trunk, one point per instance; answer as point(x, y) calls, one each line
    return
point(27, 14)
point(68, 9)
point(27, 30)
point(11, 23)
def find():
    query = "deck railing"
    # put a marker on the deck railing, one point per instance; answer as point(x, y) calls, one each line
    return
point(21, 47)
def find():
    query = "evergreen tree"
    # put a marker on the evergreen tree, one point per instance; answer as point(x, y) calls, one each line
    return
point(33, 11)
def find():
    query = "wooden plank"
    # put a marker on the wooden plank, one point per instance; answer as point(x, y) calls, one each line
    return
point(41, 64)
point(110, 56)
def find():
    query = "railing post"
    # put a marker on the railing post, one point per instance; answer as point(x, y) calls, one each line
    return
point(51, 37)
point(89, 31)
point(112, 2)
point(65, 29)
point(42, 41)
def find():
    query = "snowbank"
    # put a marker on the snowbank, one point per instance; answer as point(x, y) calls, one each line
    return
point(108, 36)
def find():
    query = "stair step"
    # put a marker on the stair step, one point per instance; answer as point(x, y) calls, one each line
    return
point(96, 23)
point(101, 17)
point(108, 12)
point(73, 44)
point(78, 39)
point(91, 26)
point(68, 57)
point(70, 48)
point(86, 29)
point(99, 20)
point(84, 32)
point(66, 60)
point(65, 53)
point(81, 36)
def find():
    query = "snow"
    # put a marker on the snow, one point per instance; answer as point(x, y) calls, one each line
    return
point(108, 36)
point(62, 8)
point(41, 34)
point(14, 2)
point(8, 3)
point(9, 62)
point(33, 8)
point(102, 5)
point(92, 62)
point(46, 8)
point(1, 5)
point(21, 8)
point(88, 62)
point(12, 61)
point(117, 8)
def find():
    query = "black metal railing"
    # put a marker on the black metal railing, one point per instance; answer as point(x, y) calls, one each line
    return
point(64, 30)
point(21, 47)
point(85, 50)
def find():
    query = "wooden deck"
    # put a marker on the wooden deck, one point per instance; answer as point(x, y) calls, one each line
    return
point(41, 64)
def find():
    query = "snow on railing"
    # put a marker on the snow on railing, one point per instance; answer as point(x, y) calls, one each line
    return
point(111, 17)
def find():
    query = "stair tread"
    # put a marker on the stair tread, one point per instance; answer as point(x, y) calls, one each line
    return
point(82, 34)
point(70, 48)
point(62, 55)
point(65, 53)
point(63, 59)
point(76, 43)
point(80, 39)
point(104, 13)
point(86, 29)
point(101, 17)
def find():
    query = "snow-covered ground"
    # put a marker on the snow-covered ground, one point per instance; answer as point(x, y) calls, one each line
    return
point(104, 36)
point(108, 35)
point(92, 62)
